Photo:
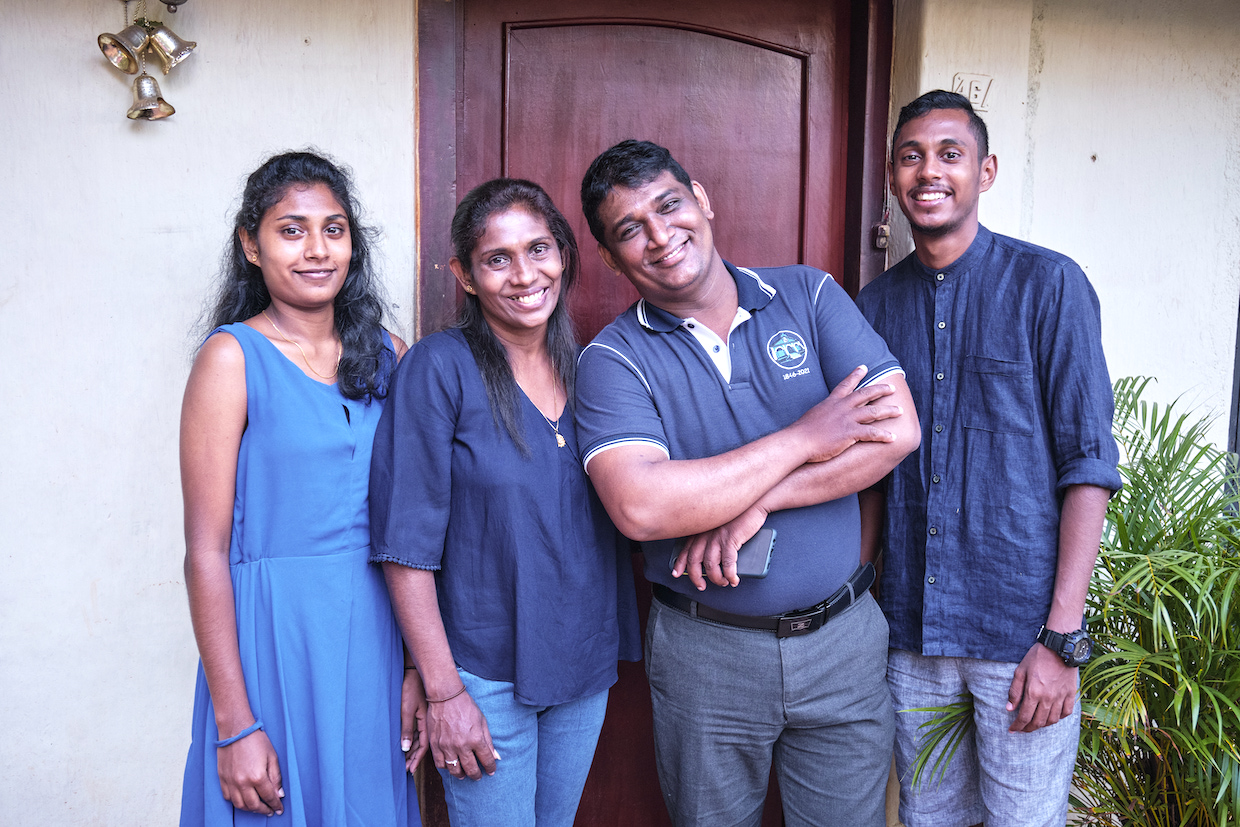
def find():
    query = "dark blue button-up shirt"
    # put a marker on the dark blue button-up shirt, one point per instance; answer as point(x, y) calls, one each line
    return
point(1002, 351)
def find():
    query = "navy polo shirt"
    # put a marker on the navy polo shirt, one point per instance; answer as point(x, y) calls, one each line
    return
point(645, 379)
point(1003, 353)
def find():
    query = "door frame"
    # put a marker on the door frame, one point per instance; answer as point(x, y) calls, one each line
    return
point(437, 114)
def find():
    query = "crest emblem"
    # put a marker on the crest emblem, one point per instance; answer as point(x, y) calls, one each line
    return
point(787, 349)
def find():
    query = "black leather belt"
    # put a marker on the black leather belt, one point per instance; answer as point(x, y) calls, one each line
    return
point(800, 622)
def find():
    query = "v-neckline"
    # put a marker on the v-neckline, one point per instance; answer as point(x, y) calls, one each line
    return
point(538, 410)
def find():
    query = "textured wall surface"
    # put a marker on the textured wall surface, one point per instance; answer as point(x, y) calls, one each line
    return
point(1114, 125)
point(115, 231)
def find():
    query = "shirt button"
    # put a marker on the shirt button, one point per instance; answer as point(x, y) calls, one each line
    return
point(942, 325)
point(933, 530)
point(935, 478)
point(938, 429)
point(939, 277)
point(939, 376)
point(930, 580)
point(689, 325)
point(716, 348)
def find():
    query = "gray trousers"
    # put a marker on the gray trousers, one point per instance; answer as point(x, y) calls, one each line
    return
point(729, 701)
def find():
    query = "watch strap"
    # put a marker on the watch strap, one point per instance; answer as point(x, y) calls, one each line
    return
point(1052, 640)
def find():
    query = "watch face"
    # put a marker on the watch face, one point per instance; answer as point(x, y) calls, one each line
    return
point(1077, 649)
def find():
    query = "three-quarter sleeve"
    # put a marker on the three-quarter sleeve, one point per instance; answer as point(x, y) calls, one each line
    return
point(411, 466)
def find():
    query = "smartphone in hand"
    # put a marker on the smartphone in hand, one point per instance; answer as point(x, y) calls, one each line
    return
point(753, 559)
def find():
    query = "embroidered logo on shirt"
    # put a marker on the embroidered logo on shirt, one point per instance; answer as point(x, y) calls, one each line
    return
point(787, 349)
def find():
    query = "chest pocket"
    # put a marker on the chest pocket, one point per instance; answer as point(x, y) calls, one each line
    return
point(998, 396)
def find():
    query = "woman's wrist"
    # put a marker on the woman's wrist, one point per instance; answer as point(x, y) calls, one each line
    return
point(230, 722)
point(438, 700)
point(232, 739)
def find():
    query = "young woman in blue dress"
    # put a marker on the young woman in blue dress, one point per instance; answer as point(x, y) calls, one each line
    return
point(512, 587)
point(298, 712)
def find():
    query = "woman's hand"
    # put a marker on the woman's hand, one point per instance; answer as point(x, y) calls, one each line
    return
point(456, 729)
point(413, 737)
point(250, 774)
point(459, 738)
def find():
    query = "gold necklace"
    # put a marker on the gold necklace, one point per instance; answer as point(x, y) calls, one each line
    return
point(339, 352)
point(555, 426)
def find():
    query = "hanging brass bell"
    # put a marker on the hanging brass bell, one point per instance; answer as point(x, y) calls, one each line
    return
point(124, 48)
point(147, 104)
point(170, 48)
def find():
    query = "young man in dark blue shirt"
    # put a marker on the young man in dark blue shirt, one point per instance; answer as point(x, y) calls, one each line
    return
point(703, 414)
point(991, 529)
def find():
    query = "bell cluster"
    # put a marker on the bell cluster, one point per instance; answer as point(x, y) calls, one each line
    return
point(127, 50)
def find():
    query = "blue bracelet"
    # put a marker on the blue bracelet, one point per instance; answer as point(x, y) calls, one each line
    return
point(254, 727)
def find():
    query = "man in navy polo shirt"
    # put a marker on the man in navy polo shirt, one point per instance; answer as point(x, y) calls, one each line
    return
point(705, 412)
point(992, 528)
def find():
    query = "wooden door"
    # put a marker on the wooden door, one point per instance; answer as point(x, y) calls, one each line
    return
point(777, 107)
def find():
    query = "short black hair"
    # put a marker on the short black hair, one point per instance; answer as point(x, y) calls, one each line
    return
point(942, 99)
point(628, 164)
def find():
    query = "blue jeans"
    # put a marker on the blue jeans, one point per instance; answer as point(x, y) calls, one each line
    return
point(545, 756)
point(1005, 779)
point(728, 702)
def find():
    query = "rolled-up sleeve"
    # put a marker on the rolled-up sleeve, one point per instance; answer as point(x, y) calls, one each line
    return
point(1080, 403)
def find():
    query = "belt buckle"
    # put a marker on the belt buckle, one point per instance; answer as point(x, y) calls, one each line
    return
point(800, 624)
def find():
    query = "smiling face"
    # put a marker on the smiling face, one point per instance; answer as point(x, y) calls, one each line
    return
point(515, 270)
point(303, 247)
point(937, 174)
point(658, 236)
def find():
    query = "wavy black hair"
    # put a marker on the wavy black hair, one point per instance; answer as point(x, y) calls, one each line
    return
point(629, 164)
point(365, 363)
point(468, 225)
point(942, 99)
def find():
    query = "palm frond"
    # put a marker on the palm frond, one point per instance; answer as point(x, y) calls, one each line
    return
point(943, 734)
point(1162, 720)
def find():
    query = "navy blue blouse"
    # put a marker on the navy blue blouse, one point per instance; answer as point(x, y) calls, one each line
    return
point(535, 584)
point(1002, 351)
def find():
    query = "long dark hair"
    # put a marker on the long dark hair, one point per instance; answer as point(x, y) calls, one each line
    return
point(468, 225)
point(365, 364)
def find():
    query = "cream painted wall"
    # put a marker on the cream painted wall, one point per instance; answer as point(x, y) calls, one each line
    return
point(1114, 122)
point(116, 228)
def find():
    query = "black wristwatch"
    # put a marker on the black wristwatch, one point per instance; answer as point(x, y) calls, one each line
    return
point(1075, 648)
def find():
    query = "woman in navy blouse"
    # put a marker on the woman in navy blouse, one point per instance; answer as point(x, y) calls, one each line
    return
point(506, 574)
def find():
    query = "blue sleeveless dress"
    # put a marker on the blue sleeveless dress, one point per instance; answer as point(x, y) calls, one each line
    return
point(320, 649)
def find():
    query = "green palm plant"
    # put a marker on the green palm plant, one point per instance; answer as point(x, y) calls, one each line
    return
point(1160, 729)
point(1161, 724)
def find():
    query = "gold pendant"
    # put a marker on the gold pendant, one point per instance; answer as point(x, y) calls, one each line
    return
point(559, 440)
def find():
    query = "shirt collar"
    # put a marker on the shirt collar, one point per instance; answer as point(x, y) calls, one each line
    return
point(981, 243)
point(752, 294)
